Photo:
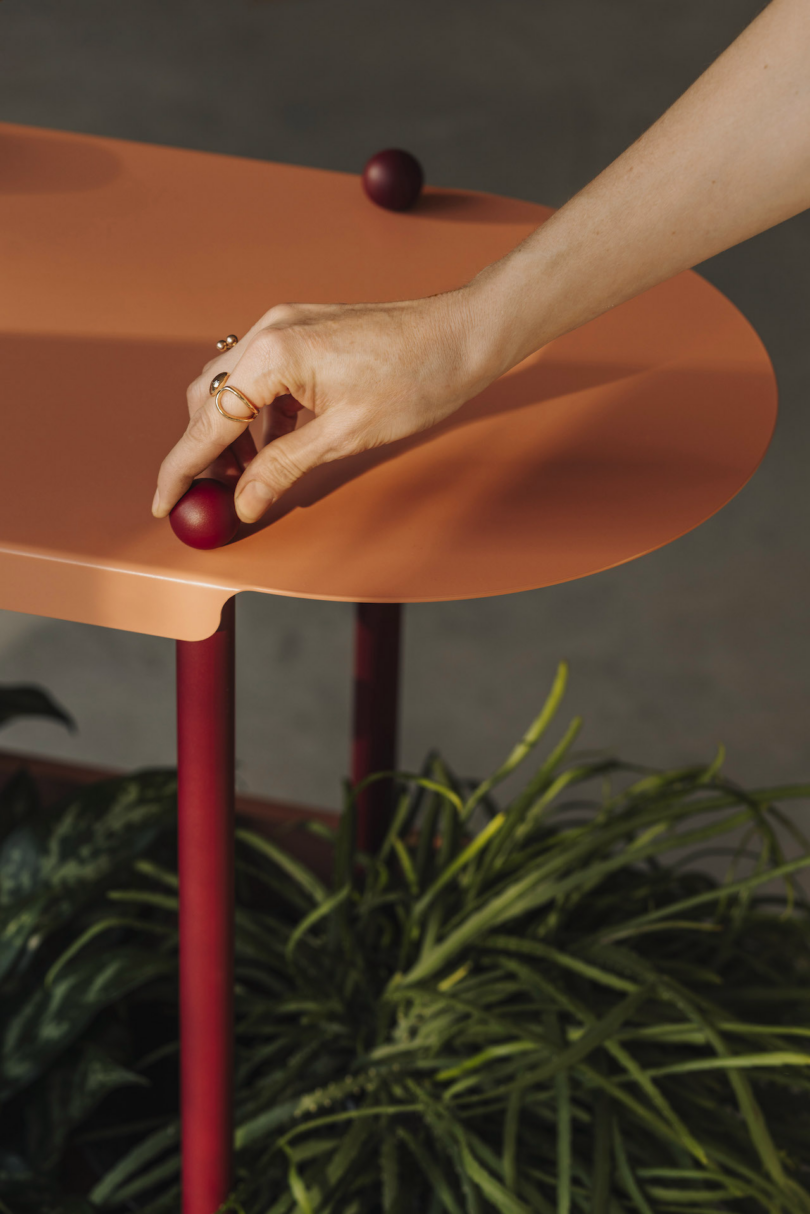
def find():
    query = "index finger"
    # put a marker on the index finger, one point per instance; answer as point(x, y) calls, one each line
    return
point(207, 435)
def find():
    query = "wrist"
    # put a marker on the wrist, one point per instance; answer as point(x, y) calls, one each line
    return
point(507, 317)
point(471, 318)
point(457, 351)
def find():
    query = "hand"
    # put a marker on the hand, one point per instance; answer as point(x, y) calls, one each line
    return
point(367, 373)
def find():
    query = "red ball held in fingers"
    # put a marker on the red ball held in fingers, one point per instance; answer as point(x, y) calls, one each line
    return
point(393, 179)
point(205, 516)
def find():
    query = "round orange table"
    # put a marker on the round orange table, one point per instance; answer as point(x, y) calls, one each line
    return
point(121, 265)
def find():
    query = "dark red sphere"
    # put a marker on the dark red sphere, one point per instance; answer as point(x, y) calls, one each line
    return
point(393, 179)
point(205, 516)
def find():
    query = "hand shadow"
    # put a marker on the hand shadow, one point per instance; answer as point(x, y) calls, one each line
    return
point(540, 381)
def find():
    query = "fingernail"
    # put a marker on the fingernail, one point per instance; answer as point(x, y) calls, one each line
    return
point(156, 502)
point(252, 501)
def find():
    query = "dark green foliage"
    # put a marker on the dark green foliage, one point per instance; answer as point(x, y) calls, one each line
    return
point(545, 1008)
point(24, 701)
point(64, 1034)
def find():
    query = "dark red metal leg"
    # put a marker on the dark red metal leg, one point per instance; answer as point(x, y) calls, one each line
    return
point(205, 759)
point(376, 703)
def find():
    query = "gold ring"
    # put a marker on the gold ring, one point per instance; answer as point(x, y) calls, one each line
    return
point(218, 386)
point(254, 412)
point(227, 343)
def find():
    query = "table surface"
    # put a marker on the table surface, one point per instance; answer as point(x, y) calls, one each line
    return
point(123, 263)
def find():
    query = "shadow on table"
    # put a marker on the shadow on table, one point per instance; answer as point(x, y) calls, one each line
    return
point(458, 206)
point(540, 381)
point(41, 163)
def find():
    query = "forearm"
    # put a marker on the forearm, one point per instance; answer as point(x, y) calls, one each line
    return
point(728, 160)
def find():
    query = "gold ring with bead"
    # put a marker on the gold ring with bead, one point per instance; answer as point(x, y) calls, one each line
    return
point(254, 412)
point(218, 386)
point(227, 343)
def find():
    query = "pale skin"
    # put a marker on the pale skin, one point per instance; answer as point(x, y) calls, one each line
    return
point(730, 159)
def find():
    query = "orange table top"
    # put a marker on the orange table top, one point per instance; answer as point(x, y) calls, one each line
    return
point(121, 265)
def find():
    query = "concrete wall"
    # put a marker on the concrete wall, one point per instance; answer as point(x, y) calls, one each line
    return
point(703, 641)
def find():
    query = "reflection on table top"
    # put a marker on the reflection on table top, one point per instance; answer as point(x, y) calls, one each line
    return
point(123, 263)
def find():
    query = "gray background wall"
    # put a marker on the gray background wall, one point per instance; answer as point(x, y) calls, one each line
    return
point(704, 641)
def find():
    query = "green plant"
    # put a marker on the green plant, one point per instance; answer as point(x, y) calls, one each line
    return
point(66, 1038)
point(553, 1011)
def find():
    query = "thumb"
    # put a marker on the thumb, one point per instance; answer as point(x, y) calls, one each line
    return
point(280, 464)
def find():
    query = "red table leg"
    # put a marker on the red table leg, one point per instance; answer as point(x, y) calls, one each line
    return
point(205, 759)
point(376, 702)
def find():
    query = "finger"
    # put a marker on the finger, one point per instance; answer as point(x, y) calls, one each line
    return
point(280, 417)
point(197, 392)
point(207, 435)
point(244, 449)
point(225, 468)
point(280, 464)
point(209, 432)
point(229, 466)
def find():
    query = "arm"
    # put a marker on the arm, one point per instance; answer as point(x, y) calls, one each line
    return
point(729, 159)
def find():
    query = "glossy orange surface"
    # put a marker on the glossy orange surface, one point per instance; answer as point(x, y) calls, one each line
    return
point(121, 264)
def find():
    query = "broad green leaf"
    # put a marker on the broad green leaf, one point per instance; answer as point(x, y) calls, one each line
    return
point(22, 700)
point(21, 857)
point(67, 1095)
point(50, 1019)
point(19, 930)
point(97, 929)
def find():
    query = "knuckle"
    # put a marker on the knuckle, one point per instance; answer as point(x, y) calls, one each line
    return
point(282, 314)
point(281, 468)
point(268, 343)
point(195, 395)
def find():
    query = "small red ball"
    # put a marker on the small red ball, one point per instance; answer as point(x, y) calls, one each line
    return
point(205, 516)
point(393, 179)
